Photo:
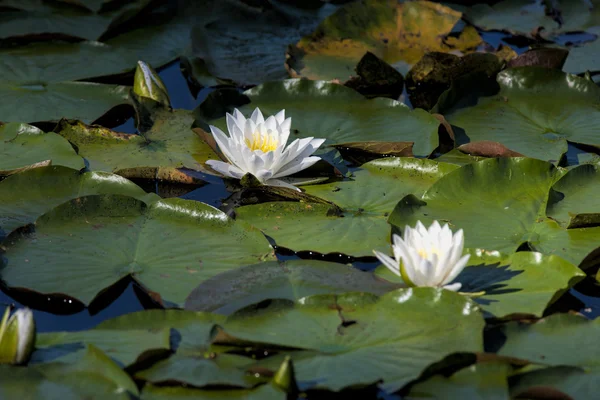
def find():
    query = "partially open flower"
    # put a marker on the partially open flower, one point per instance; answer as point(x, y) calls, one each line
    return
point(427, 257)
point(258, 146)
point(17, 336)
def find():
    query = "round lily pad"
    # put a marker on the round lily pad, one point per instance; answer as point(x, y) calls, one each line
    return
point(393, 338)
point(536, 113)
point(560, 382)
point(341, 115)
point(29, 194)
point(366, 201)
point(170, 246)
point(504, 284)
point(25, 145)
point(398, 33)
point(151, 392)
point(500, 204)
point(169, 143)
point(292, 280)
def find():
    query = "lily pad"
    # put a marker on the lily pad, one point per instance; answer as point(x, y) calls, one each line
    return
point(500, 204)
point(253, 50)
point(399, 34)
point(262, 392)
point(27, 195)
point(98, 240)
point(585, 56)
point(576, 194)
point(480, 381)
point(393, 338)
point(519, 283)
point(170, 143)
point(554, 341)
point(560, 382)
point(340, 115)
point(92, 376)
point(366, 202)
point(536, 113)
point(123, 346)
point(291, 280)
point(25, 145)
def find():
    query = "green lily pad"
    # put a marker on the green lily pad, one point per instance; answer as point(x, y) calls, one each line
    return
point(535, 113)
point(341, 115)
point(123, 346)
point(366, 202)
point(560, 382)
point(574, 194)
point(92, 376)
point(560, 339)
point(291, 280)
point(480, 381)
point(262, 392)
point(25, 145)
point(500, 204)
point(27, 195)
point(399, 34)
point(584, 57)
point(169, 143)
point(393, 338)
point(170, 246)
point(253, 50)
point(519, 283)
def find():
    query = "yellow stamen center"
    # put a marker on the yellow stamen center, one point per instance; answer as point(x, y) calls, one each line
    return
point(423, 253)
point(265, 142)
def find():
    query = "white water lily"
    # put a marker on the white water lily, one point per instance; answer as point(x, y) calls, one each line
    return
point(257, 146)
point(427, 257)
point(17, 336)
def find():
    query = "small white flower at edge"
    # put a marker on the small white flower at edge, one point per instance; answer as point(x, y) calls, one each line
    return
point(17, 336)
point(427, 257)
point(258, 146)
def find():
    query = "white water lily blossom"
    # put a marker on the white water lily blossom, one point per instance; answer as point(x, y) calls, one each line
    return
point(427, 257)
point(257, 146)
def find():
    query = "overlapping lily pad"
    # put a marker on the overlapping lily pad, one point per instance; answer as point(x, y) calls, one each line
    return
point(536, 113)
point(291, 280)
point(500, 204)
point(341, 115)
point(253, 50)
point(27, 195)
point(93, 375)
point(170, 246)
point(151, 392)
point(366, 202)
point(560, 382)
point(392, 338)
point(400, 34)
point(170, 143)
point(478, 382)
point(25, 145)
point(519, 283)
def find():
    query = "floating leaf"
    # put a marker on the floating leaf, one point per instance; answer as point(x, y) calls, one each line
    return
point(27, 195)
point(339, 114)
point(500, 204)
point(560, 382)
point(399, 34)
point(366, 202)
point(98, 240)
point(393, 338)
point(536, 112)
point(25, 145)
point(291, 280)
point(262, 392)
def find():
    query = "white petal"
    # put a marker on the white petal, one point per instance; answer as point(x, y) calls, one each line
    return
point(280, 183)
point(389, 262)
point(456, 269)
point(455, 287)
point(231, 123)
point(293, 168)
point(225, 169)
point(239, 117)
point(263, 175)
point(284, 128)
point(457, 247)
point(280, 116)
point(224, 143)
point(257, 116)
point(303, 151)
point(255, 163)
point(271, 124)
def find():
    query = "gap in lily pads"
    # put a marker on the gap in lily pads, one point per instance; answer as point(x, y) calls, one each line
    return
point(77, 318)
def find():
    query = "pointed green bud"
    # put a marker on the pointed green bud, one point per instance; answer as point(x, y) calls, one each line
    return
point(17, 337)
point(147, 83)
point(284, 378)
